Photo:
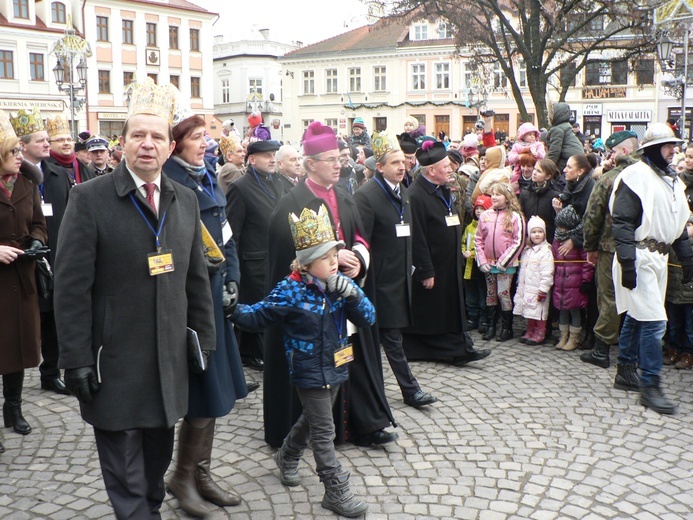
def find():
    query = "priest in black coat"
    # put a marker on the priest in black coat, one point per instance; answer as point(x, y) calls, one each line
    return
point(362, 412)
point(438, 331)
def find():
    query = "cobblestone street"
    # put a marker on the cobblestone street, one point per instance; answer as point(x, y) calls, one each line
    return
point(529, 432)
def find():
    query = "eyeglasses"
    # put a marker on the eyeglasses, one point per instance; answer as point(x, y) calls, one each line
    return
point(16, 151)
point(61, 140)
point(331, 160)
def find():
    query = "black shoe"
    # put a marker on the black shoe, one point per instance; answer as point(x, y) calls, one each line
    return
point(472, 355)
point(252, 386)
point(253, 362)
point(652, 397)
point(627, 378)
point(55, 385)
point(420, 399)
point(376, 438)
point(472, 324)
point(599, 356)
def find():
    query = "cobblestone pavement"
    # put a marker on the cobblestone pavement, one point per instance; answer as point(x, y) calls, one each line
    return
point(529, 432)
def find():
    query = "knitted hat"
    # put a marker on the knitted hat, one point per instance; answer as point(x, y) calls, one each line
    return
point(412, 121)
point(431, 153)
point(536, 222)
point(255, 119)
point(470, 145)
point(358, 123)
point(526, 128)
point(568, 219)
point(319, 138)
point(484, 201)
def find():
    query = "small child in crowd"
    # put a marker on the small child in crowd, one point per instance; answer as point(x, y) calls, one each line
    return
point(499, 241)
point(534, 283)
point(527, 142)
point(314, 302)
point(474, 280)
point(359, 134)
point(572, 278)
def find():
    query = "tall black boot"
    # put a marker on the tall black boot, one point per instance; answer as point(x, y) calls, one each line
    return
point(483, 321)
point(12, 409)
point(651, 396)
point(506, 332)
point(599, 356)
point(491, 319)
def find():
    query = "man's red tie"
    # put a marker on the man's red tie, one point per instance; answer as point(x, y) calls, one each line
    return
point(149, 188)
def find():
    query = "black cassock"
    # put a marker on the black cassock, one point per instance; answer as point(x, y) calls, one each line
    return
point(361, 407)
point(438, 331)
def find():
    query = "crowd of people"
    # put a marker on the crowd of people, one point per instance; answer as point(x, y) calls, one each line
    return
point(190, 258)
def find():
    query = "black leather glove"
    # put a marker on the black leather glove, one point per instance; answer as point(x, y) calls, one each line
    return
point(82, 382)
point(341, 285)
point(213, 266)
point(585, 287)
point(687, 273)
point(230, 298)
point(628, 279)
point(35, 245)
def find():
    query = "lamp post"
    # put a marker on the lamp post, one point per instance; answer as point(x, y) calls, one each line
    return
point(71, 51)
point(477, 94)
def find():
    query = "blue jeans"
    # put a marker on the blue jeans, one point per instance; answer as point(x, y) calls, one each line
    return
point(315, 425)
point(680, 326)
point(643, 340)
point(475, 297)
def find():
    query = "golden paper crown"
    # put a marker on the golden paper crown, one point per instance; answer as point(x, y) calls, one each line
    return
point(6, 130)
point(311, 229)
point(149, 98)
point(383, 143)
point(27, 123)
point(57, 126)
point(229, 144)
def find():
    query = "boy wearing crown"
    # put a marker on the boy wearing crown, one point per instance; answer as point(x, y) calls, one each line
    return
point(314, 303)
point(129, 276)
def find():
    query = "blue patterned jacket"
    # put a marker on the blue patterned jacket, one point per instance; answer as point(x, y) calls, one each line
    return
point(310, 319)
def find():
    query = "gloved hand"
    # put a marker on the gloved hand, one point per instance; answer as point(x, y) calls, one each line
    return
point(82, 382)
point(341, 285)
point(628, 279)
point(230, 298)
point(213, 266)
point(541, 296)
point(485, 268)
point(35, 245)
point(585, 287)
point(687, 273)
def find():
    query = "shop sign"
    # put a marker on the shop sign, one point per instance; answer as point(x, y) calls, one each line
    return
point(592, 109)
point(603, 92)
point(641, 116)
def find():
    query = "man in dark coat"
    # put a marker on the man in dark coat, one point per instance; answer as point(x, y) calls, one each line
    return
point(386, 215)
point(250, 200)
point(438, 331)
point(122, 315)
point(363, 412)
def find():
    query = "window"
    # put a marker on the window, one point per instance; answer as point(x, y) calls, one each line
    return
point(128, 31)
point(644, 70)
point(468, 74)
point(418, 76)
point(194, 39)
point(195, 87)
point(568, 76)
point(102, 28)
point(308, 82)
point(173, 37)
point(36, 67)
point(128, 77)
point(380, 124)
point(104, 82)
point(499, 79)
point(619, 72)
point(174, 80)
point(6, 65)
point(151, 35)
point(442, 76)
point(225, 91)
point(21, 9)
point(379, 79)
point(255, 85)
point(597, 23)
point(306, 122)
point(522, 73)
point(58, 12)
point(154, 76)
point(444, 30)
point(355, 79)
point(331, 81)
point(421, 32)
point(332, 123)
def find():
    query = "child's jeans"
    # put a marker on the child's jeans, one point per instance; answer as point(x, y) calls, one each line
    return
point(475, 298)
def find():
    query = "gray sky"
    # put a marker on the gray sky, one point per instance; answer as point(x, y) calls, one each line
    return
point(308, 21)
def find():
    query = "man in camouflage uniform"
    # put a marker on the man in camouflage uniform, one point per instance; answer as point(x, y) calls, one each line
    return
point(600, 245)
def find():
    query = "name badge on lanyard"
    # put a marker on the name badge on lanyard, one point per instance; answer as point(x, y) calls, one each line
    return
point(402, 230)
point(226, 231)
point(47, 209)
point(452, 220)
point(160, 262)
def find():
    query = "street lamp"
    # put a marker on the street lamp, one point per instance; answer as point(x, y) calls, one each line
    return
point(69, 50)
point(678, 84)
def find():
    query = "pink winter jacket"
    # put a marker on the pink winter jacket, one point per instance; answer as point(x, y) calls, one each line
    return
point(496, 246)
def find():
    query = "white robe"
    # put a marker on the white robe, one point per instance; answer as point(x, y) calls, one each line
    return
point(665, 212)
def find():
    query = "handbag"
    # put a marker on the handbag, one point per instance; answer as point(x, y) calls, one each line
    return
point(44, 278)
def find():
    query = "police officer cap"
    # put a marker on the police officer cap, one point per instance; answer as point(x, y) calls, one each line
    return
point(618, 137)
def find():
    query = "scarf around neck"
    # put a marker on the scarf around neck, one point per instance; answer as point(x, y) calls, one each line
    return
point(69, 162)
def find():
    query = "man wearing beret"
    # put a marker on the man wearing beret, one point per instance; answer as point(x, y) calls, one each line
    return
point(600, 247)
point(97, 147)
point(250, 201)
point(438, 330)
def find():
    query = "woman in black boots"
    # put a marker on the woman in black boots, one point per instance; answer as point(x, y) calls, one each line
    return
point(22, 234)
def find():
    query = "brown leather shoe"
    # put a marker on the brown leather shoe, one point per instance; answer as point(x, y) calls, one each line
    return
point(685, 361)
point(670, 356)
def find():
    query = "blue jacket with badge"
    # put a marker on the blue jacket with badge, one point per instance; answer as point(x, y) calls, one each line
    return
point(310, 317)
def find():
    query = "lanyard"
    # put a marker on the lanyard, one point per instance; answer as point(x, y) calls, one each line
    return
point(391, 199)
point(210, 194)
point(448, 204)
point(270, 195)
point(155, 232)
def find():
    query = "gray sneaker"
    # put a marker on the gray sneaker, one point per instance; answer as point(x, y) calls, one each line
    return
point(288, 469)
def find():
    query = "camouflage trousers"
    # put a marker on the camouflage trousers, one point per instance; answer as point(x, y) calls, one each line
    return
point(608, 322)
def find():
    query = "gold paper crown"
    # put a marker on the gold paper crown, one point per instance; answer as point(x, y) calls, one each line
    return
point(27, 123)
point(57, 126)
point(6, 130)
point(149, 98)
point(383, 143)
point(311, 229)
point(229, 144)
